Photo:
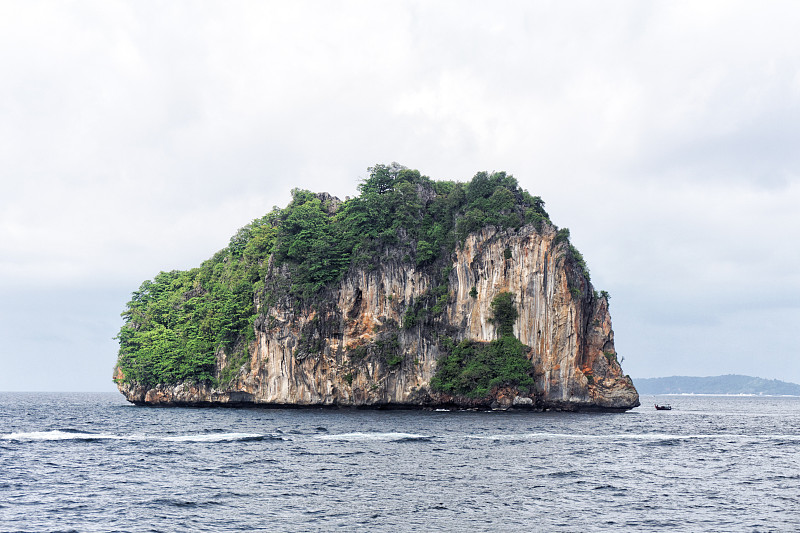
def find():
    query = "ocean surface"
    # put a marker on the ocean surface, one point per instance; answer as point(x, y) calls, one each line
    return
point(92, 462)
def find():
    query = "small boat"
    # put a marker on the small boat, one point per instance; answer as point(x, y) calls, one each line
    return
point(665, 407)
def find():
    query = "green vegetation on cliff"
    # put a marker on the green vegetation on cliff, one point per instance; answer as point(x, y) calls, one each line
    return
point(177, 323)
point(418, 219)
point(473, 369)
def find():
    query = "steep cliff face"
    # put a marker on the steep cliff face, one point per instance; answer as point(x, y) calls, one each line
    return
point(354, 345)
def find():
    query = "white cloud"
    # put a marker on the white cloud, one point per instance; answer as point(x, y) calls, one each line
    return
point(138, 136)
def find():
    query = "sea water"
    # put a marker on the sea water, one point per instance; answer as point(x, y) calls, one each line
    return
point(92, 462)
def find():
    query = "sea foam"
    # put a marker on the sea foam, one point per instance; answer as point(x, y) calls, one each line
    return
point(61, 435)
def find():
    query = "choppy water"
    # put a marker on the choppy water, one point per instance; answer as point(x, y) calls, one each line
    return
point(92, 462)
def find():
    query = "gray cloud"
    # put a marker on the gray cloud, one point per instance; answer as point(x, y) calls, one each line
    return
point(137, 137)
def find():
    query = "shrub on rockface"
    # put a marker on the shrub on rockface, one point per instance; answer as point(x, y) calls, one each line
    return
point(504, 313)
point(473, 369)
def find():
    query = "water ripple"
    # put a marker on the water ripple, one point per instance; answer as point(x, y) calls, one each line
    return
point(93, 463)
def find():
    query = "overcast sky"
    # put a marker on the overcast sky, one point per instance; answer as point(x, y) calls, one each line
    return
point(139, 136)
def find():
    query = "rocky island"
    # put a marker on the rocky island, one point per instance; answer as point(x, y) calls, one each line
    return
point(414, 294)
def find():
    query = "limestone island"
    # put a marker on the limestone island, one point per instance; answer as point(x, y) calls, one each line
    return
point(414, 294)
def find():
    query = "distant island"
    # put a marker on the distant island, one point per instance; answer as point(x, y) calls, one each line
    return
point(727, 384)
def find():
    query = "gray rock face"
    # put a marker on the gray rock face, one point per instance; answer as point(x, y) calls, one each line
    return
point(351, 349)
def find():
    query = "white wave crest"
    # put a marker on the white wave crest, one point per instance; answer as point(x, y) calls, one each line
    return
point(374, 436)
point(214, 437)
point(58, 435)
